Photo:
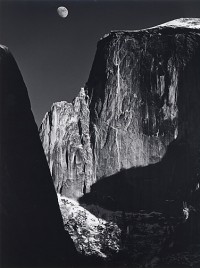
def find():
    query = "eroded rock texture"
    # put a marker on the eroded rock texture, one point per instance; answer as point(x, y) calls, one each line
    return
point(31, 230)
point(138, 148)
point(142, 104)
point(92, 235)
point(65, 137)
point(143, 90)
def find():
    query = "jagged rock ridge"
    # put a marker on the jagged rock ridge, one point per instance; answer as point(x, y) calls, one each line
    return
point(65, 137)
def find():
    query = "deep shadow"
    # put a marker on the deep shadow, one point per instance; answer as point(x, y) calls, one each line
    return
point(31, 228)
point(154, 187)
point(161, 187)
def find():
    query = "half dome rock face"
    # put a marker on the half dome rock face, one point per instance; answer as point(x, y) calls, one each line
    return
point(140, 92)
point(65, 137)
point(139, 109)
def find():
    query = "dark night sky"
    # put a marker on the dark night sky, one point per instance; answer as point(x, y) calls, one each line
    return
point(55, 55)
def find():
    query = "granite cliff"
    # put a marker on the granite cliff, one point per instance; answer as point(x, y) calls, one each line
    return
point(129, 147)
point(65, 137)
point(136, 118)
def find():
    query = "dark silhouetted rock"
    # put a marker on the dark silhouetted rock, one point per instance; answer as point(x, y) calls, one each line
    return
point(32, 232)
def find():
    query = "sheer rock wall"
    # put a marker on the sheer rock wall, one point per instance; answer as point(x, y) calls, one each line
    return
point(65, 136)
point(141, 105)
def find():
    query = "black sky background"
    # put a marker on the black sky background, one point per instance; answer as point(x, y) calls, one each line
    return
point(55, 55)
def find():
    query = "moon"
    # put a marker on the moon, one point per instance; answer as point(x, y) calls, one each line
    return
point(62, 12)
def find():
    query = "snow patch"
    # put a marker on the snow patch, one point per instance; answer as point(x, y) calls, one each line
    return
point(91, 235)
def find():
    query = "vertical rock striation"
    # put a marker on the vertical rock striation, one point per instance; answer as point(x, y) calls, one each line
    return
point(140, 108)
point(139, 96)
point(65, 136)
point(140, 111)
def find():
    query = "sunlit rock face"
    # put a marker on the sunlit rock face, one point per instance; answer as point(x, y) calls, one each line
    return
point(65, 136)
point(138, 147)
point(139, 108)
point(143, 90)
